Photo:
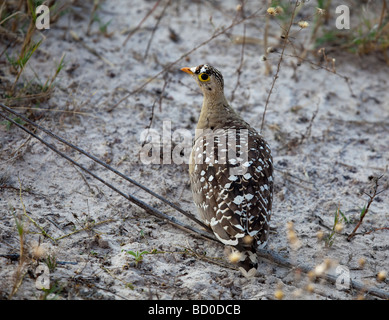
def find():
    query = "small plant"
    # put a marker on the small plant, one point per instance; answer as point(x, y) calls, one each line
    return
point(53, 292)
point(374, 192)
point(48, 85)
point(142, 233)
point(138, 255)
point(103, 27)
point(19, 57)
point(370, 34)
point(130, 286)
point(19, 222)
point(8, 124)
point(339, 220)
point(20, 270)
point(51, 262)
point(20, 63)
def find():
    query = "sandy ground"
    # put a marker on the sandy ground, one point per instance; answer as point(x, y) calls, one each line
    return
point(321, 165)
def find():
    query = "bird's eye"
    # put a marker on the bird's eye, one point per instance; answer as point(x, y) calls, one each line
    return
point(203, 77)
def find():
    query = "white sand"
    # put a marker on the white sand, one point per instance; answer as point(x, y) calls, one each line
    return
point(348, 143)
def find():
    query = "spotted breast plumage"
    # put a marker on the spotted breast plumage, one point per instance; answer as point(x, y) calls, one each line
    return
point(231, 173)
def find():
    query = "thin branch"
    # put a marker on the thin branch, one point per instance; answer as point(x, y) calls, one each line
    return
point(239, 70)
point(278, 259)
point(375, 230)
point(92, 16)
point(307, 133)
point(187, 214)
point(165, 83)
point(153, 108)
point(16, 257)
point(83, 229)
point(267, 254)
point(215, 35)
point(383, 10)
point(155, 28)
point(265, 41)
point(20, 270)
point(366, 210)
point(129, 197)
point(150, 123)
point(141, 22)
point(44, 233)
point(286, 38)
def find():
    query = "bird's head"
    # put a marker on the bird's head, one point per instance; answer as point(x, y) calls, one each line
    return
point(209, 79)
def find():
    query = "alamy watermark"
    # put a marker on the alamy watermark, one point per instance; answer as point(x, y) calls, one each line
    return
point(221, 146)
point(343, 20)
point(42, 17)
point(343, 279)
point(43, 277)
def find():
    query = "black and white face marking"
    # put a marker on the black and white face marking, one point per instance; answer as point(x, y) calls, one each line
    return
point(208, 77)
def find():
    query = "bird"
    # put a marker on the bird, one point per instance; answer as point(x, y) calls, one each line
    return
point(231, 173)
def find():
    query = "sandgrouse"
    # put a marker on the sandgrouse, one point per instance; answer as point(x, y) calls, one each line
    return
point(231, 173)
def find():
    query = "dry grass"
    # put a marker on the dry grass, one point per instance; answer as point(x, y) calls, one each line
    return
point(24, 41)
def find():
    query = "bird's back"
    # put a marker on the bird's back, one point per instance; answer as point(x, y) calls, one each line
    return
point(231, 178)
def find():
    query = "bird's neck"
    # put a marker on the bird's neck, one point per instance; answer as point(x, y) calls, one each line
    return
point(216, 113)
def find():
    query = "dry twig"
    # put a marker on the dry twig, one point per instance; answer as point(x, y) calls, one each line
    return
point(239, 70)
point(141, 22)
point(155, 28)
point(286, 40)
point(365, 210)
point(307, 133)
point(215, 35)
point(129, 197)
point(267, 254)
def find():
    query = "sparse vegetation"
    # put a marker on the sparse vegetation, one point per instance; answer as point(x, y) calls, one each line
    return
point(339, 221)
point(22, 30)
point(374, 193)
point(135, 85)
point(51, 262)
point(138, 256)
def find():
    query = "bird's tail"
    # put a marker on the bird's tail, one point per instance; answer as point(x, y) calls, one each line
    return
point(245, 259)
point(249, 263)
